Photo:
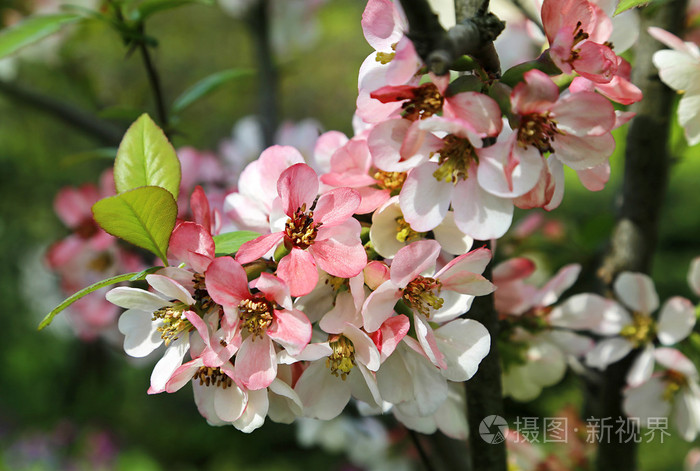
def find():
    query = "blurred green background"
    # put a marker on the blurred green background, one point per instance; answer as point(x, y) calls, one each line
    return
point(63, 400)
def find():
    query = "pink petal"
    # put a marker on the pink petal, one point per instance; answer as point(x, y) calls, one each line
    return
point(291, 329)
point(562, 281)
point(182, 375)
point(256, 363)
point(508, 170)
point(256, 248)
point(371, 199)
point(227, 282)
point(477, 109)
point(595, 62)
point(513, 269)
point(392, 331)
point(595, 178)
point(200, 208)
point(412, 260)
point(74, 205)
point(376, 273)
point(385, 142)
point(583, 152)
point(297, 186)
point(335, 206)
point(338, 250)
point(344, 312)
point(473, 262)
point(326, 145)
point(535, 95)
point(583, 114)
point(674, 360)
point(426, 338)
point(274, 289)
point(298, 270)
point(190, 239)
point(378, 24)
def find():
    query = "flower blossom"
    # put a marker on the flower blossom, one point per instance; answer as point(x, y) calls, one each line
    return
point(322, 232)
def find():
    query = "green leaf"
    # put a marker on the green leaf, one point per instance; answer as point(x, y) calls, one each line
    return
point(85, 291)
point(143, 216)
point(206, 86)
point(146, 158)
point(230, 242)
point(514, 75)
point(31, 30)
point(625, 5)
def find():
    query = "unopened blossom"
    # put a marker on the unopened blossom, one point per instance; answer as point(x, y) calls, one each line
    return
point(261, 320)
point(672, 392)
point(679, 68)
point(319, 232)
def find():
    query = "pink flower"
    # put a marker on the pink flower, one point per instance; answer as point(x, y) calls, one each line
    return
point(577, 31)
point(259, 318)
point(322, 232)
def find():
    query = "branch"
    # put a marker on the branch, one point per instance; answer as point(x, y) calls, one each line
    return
point(438, 48)
point(154, 81)
point(634, 238)
point(484, 392)
point(258, 20)
point(107, 133)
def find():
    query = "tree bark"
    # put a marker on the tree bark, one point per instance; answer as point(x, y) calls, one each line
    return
point(634, 238)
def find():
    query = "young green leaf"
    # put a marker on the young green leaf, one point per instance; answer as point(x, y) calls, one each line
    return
point(31, 30)
point(85, 291)
point(625, 5)
point(143, 216)
point(230, 242)
point(206, 86)
point(146, 158)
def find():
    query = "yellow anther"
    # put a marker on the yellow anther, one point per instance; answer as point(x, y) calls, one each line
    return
point(404, 233)
point(213, 377)
point(392, 181)
point(173, 320)
point(300, 229)
point(342, 360)
point(455, 158)
point(422, 294)
point(641, 331)
point(256, 315)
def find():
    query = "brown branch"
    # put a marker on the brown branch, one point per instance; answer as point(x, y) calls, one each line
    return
point(107, 133)
point(634, 238)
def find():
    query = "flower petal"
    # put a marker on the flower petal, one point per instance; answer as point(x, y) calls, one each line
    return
point(636, 291)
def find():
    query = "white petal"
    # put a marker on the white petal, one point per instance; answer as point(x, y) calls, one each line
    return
point(254, 415)
point(686, 414)
point(324, 395)
point(465, 342)
point(590, 312)
point(480, 214)
point(140, 334)
point(170, 288)
point(450, 237)
point(646, 401)
point(607, 352)
point(451, 417)
point(229, 403)
point(636, 291)
point(365, 350)
point(676, 320)
point(134, 298)
point(285, 405)
point(172, 359)
point(694, 276)
point(642, 368)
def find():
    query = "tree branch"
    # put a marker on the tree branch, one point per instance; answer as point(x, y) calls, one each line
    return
point(107, 133)
point(154, 81)
point(635, 235)
point(258, 20)
point(484, 392)
point(438, 48)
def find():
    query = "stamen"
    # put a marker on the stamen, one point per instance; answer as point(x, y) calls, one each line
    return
point(174, 322)
point(538, 130)
point(404, 233)
point(213, 377)
point(675, 381)
point(201, 295)
point(420, 294)
point(426, 101)
point(455, 158)
point(392, 181)
point(300, 229)
point(256, 315)
point(343, 357)
point(641, 331)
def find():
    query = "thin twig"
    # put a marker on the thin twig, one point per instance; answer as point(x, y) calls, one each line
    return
point(528, 14)
point(107, 133)
point(154, 80)
point(421, 450)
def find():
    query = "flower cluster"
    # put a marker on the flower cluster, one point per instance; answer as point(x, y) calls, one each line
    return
point(359, 276)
